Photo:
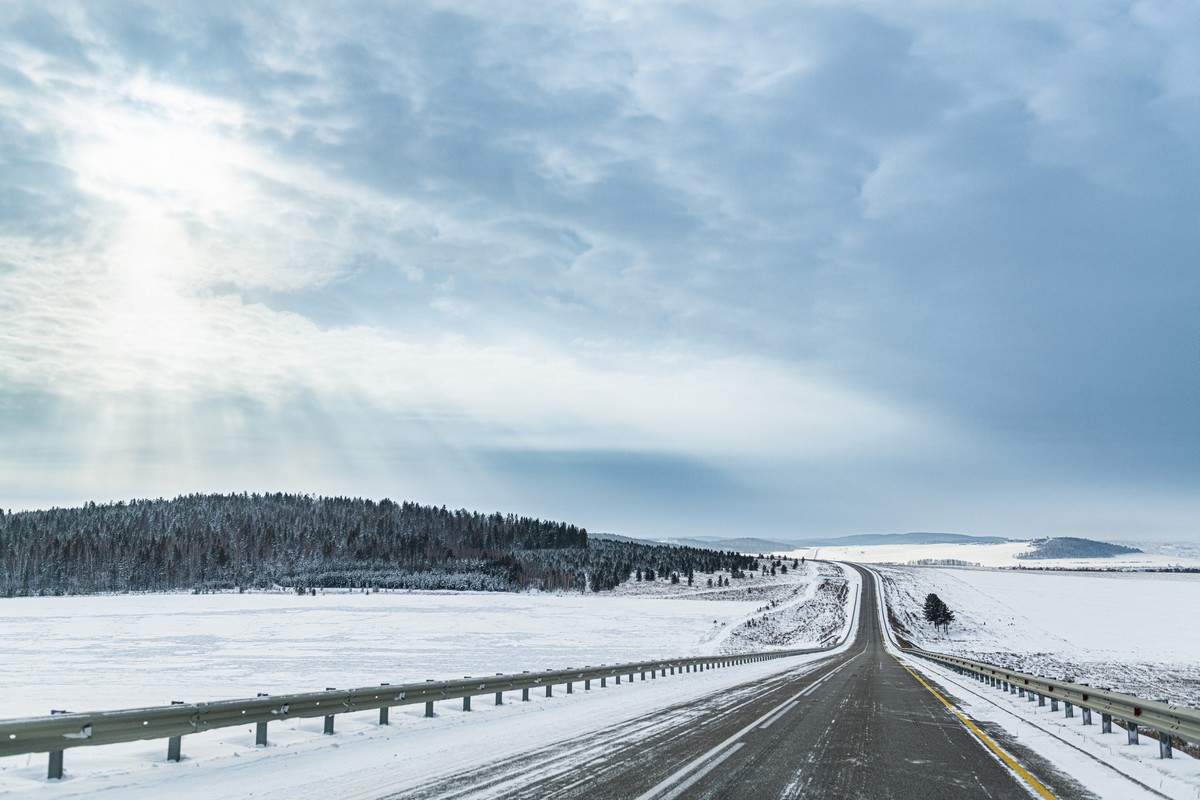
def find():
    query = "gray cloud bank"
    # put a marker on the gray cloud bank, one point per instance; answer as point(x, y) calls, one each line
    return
point(662, 268)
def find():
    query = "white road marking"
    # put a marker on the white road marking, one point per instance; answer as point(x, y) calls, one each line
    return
point(683, 787)
point(779, 714)
point(688, 768)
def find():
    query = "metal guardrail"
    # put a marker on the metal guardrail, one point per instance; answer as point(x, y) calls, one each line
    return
point(63, 730)
point(1162, 717)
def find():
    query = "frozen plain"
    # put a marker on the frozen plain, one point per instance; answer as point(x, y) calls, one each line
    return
point(1096, 627)
point(120, 651)
point(1132, 632)
point(123, 651)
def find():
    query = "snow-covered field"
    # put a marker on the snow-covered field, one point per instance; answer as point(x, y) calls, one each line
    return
point(94, 653)
point(1003, 554)
point(98, 653)
point(1130, 631)
point(1133, 632)
point(1102, 764)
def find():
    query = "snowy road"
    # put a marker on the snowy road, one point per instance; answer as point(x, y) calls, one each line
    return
point(852, 723)
point(855, 725)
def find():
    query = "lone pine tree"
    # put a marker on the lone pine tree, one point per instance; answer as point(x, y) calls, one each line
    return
point(937, 612)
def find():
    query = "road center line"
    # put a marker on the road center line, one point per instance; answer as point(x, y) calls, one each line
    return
point(687, 769)
point(683, 787)
point(779, 714)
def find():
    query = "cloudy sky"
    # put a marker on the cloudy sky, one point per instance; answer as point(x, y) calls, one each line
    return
point(792, 269)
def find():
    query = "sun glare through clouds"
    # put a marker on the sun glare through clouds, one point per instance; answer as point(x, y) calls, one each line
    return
point(656, 269)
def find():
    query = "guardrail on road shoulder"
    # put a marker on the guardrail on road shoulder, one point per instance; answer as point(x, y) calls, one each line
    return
point(1167, 719)
point(63, 730)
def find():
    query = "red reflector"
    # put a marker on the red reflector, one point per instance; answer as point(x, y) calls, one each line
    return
point(1085, 698)
point(1137, 712)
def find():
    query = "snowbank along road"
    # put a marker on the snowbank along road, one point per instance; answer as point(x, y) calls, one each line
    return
point(858, 725)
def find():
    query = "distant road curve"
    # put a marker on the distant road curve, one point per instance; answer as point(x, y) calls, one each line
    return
point(858, 725)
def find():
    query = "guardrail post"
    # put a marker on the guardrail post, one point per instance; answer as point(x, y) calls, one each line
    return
point(570, 688)
point(1105, 722)
point(500, 694)
point(1041, 699)
point(653, 674)
point(587, 684)
point(549, 690)
point(1021, 691)
point(175, 743)
point(467, 703)
point(54, 769)
point(618, 680)
point(1132, 728)
point(525, 695)
point(1087, 715)
point(1164, 745)
point(383, 712)
point(1070, 708)
point(329, 717)
point(1054, 704)
point(260, 732)
point(429, 703)
point(643, 675)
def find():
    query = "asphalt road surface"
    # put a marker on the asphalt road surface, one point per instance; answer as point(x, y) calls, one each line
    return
point(857, 725)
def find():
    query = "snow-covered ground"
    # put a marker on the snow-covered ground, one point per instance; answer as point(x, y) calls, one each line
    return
point(97, 653)
point(1129, 631)
point(1104, 764)
point(1133, 632)
point(117, 651)
point(1002, 554)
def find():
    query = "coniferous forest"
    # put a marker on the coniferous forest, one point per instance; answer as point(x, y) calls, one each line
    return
point(243, 541)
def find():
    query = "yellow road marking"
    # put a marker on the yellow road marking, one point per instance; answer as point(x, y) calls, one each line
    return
point(995, 748)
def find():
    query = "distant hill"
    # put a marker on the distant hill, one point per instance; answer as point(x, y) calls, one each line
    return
point(1071, 547)
point(616, 537)
point(903, 538)
point(744, 544)
point(751, 544)
point(239, 541)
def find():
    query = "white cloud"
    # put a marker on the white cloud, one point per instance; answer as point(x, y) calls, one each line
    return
point(753, 235)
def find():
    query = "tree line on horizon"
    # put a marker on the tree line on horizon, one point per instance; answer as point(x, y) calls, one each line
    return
point(215, 542)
